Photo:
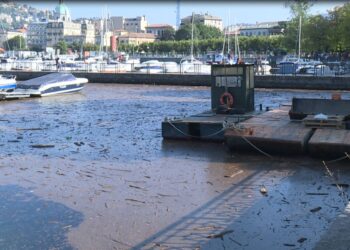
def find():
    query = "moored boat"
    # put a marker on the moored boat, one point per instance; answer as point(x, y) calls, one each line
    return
point(7, 82)
point(51, 84)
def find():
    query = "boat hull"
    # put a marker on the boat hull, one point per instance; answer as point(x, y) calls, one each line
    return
point(60, 90)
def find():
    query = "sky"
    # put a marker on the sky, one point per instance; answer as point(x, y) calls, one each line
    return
point(164, 12)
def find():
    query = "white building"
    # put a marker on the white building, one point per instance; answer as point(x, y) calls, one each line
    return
point(261, 29)
point(136, 24)
point(205, 19)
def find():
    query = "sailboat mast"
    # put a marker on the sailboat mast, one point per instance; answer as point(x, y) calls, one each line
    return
point(299, 38)
point(228, 32)
point(192, 37)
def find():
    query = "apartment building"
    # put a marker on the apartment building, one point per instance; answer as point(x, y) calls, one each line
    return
point(136, 24)
point(36, 34)
point(205, 19)
point(158, 29)
point(136, 38)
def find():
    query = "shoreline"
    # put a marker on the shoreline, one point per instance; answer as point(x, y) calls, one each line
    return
point(265, 81)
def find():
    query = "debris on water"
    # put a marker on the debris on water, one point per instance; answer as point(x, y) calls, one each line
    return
point(316, 209)
point(302, 239)
point(133, 200)
point(79, 143)
point(234, 174)
point(42, 146)
point(13, 141)
point(24, 129)
point(59, 173)
point(219, 235)
point(137, 187)
point(317, 193)
point(263, 190)
point(343, 185)
point(289, 245)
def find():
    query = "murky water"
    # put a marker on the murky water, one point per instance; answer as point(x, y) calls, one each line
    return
point(109, 181)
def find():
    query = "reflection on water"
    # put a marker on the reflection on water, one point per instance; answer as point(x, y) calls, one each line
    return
point(28, 222)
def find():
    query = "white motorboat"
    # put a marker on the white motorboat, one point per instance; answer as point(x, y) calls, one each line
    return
point(7, 82)
point(151, 66)
point(51, 84)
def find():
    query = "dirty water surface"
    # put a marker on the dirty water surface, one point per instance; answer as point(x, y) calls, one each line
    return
point(91, 171)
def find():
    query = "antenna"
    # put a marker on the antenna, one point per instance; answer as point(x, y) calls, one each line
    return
point(177, 14)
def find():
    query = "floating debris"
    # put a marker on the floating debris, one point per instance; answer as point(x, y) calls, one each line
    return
point(42, 146)
point(263, 190)
point(316, 209)
point(219, 235)
point(317, 193)
point(302, 239)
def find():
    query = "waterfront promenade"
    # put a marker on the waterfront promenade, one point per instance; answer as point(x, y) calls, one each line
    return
point(261, 81)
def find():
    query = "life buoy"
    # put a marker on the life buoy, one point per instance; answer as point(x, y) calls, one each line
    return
point(226, 99)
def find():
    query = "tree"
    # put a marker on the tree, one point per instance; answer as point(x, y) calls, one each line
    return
point(15, 43)
point(168, 34)
point(36, 48)
point(91, 47)
point(200, 31)
point(298, 8)
point(62, 46)
point(341, 19)
point(317, 34)
point(184, 33)
point(208, 32)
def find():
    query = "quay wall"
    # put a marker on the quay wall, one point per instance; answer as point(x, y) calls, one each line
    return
point(270, 81)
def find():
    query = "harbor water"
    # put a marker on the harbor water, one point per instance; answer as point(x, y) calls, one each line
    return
point(91, 170)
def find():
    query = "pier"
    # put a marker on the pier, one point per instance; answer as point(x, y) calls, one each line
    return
point(289, 130)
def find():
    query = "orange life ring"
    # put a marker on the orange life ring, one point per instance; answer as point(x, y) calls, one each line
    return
point(228, 101)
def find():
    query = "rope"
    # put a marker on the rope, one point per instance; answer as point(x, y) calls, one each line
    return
point(225, 125)
point(194, 136)
point(255, 147)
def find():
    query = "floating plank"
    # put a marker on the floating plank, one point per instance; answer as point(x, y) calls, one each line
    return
point(272, 132)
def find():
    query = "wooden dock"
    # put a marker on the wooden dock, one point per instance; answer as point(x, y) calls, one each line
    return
point(207, 126)
point(272, 132)
point(329, 142)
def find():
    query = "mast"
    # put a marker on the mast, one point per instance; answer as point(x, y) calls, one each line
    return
point(299, 38)
point(228, 33)
point(192, 37)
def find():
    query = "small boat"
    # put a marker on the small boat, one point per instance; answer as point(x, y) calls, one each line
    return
point(151, 66)
point(7, 82)
point(51, 84)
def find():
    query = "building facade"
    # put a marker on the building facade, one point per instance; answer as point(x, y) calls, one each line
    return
point(261, 29)
point(136, 24)
point(157, 29)
point(36, 35)
point(136, 38)
point(205, 19)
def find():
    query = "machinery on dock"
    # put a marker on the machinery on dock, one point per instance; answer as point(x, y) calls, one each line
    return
point(232, 89)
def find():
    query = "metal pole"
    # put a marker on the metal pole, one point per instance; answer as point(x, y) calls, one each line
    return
point(299, 38)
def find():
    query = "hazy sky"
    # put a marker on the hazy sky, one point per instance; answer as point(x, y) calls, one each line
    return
point(165, 11)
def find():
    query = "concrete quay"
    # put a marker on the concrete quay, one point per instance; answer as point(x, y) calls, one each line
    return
point(266, 81)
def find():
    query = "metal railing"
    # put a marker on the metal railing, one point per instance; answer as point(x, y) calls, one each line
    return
point(170, 68)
